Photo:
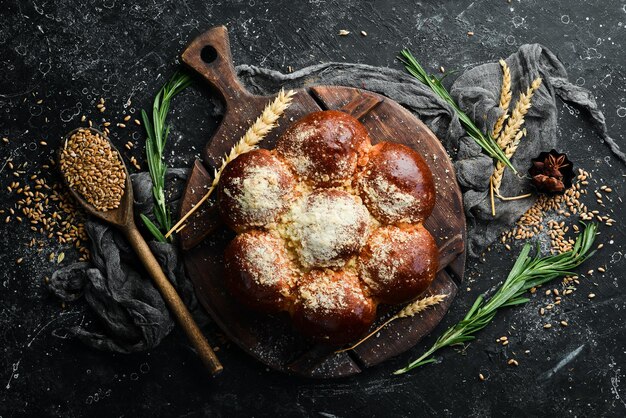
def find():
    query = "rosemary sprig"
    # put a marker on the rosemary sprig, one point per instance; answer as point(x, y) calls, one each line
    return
point(487, 143)
point(157, 132)
point(527, 272)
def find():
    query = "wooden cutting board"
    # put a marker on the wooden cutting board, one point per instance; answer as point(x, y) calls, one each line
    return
point(271, 339)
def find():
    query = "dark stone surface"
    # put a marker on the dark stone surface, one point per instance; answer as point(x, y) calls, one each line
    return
point(70, 53)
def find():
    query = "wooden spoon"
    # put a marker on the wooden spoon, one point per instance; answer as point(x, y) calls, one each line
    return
point(122, 217)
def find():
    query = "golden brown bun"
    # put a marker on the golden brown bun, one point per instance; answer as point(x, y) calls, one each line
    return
point(254, 190)
point(324, 147)
point(331, 307)
point(259, 272)
point(396, 184)
point(398, 263)
point(330, 226)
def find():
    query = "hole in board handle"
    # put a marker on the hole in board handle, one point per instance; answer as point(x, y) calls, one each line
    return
point(208, 54)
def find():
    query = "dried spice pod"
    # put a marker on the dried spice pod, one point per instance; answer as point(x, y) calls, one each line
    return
point(552, 172)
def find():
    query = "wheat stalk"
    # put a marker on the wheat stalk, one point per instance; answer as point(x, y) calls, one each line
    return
point(418, 306)
point(505, 100)
point(510, 139)
point(498, 172)
point(517, 116)
point(249, 141)
point(409, 310)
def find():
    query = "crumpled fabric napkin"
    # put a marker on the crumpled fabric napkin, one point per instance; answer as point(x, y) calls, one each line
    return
point(477, 91)
point(131, 311)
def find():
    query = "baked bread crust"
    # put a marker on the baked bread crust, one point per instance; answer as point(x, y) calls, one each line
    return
point(324, 148)
point(398, 262)
point(329, 226)
point(260, 272)
point(332, 306)
point(396, 184)
point(255, 189)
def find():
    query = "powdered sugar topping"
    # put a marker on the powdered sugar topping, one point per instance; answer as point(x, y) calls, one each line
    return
point(259, 192)
point(388, 200)
point(326, 226)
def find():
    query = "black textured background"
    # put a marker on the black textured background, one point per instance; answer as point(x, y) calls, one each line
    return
point(70, 53)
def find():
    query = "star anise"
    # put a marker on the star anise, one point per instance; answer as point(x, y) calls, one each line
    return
point(552, 172)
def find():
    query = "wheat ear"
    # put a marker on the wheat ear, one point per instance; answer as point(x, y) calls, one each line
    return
point(510, 138)
point(418, 306)
point(498, 172)
point(505, 99)
point(517, 116)
point(409, 310)
point(249, 141)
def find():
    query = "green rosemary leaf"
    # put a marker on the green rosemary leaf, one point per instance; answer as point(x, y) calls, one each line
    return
point(487, 143)
point(526, 273)
point(513, 302)
point(475, 306)
point(157, 132)
point(154, 230)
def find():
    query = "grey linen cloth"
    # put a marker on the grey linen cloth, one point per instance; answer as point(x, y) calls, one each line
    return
point(132, 312)
point(477, 91)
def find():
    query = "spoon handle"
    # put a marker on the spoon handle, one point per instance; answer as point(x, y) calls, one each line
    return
point(176, 305)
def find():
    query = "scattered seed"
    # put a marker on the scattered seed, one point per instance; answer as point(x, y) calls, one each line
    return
point(547, 326)
point(126, 118)
point(470, 33)
point(564, 323)
point(481, 377)
point(512, 362)
point(363, 33)
point(591, 295)
point(344, 32)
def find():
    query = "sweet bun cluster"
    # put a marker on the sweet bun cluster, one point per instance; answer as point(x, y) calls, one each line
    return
point(328, 226)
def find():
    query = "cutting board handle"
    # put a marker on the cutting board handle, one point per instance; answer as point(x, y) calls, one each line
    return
point(209, 55)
